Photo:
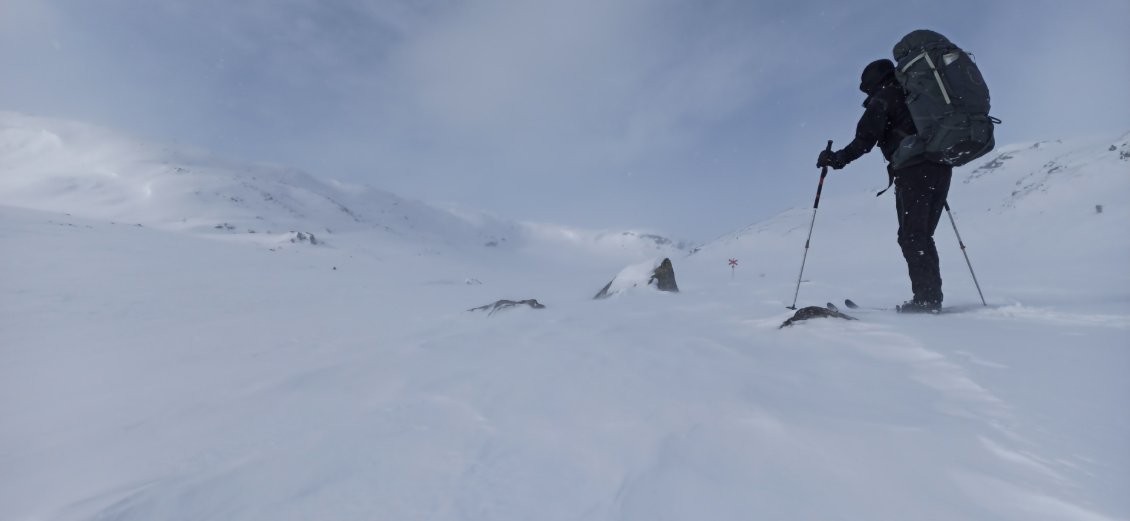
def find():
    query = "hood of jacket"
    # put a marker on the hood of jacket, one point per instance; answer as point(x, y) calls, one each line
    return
point(876, 75)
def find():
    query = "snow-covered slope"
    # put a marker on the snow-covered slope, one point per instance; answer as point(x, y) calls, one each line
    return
point(1028, 215)
point(148, 373)
point(92, 172)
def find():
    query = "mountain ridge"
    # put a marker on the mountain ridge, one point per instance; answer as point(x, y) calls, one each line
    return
point(85, 170)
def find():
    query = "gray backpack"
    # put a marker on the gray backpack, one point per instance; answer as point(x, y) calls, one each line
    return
point(948, 100)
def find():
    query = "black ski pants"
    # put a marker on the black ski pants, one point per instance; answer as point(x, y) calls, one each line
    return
point(920, 197)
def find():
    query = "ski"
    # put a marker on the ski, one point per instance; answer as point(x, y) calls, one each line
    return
point(945, 310)
point(852, 305)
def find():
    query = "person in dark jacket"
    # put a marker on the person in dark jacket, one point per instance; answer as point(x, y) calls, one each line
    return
point(920, 189)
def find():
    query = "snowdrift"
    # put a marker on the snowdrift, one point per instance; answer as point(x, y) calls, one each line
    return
point(154, 372)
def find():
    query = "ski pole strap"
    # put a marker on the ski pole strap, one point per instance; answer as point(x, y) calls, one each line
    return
point(890, 181)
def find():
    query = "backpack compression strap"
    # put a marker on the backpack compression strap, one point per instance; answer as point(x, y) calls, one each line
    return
point(937, 76)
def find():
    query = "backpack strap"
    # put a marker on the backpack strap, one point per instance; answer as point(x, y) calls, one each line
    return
point(890, 171)
point(912, 62)
point(941, 85)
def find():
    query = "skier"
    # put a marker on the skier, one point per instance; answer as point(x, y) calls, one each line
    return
point(920, 188)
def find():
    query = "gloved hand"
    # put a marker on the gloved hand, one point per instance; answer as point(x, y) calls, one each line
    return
point(832, 159)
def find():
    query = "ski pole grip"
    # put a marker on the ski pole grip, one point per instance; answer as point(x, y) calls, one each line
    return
point(824, 171)
point(823, 174)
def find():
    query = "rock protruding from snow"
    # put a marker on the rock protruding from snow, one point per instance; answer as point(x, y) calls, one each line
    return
point(297, 237)
point(814, 312)
point(664, 277)
point(659, 274)
point(506, 304)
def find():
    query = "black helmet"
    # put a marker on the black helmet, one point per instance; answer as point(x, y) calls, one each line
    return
point(875, 75)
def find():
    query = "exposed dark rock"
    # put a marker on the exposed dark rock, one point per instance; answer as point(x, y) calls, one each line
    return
point(659, 240)
point(303, 237)
point(662, 277)
point(814, 312)
point(505, 304)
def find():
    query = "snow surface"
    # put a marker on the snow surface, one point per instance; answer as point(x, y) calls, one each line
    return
point(160, 361)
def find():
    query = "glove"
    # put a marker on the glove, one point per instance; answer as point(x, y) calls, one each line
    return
point(832, 159)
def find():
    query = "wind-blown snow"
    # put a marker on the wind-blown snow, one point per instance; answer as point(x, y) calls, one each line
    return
point(153, 366)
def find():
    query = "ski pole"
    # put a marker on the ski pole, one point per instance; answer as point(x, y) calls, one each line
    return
point(962, 244)
point(815, 205)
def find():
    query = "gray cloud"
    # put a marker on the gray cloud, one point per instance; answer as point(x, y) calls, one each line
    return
point(693, 117)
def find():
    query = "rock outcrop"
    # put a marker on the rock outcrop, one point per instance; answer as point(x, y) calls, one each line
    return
point(659, 275)
point(491, 309)
point(814, 312)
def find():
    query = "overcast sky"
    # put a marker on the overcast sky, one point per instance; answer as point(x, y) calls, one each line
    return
point(688, 117)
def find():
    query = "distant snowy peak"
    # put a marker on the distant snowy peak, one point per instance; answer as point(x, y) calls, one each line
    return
point(621, 245)
point(92, 172)
point(660, 241)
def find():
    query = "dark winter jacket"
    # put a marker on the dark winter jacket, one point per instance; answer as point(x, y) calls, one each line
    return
point(886, 120)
